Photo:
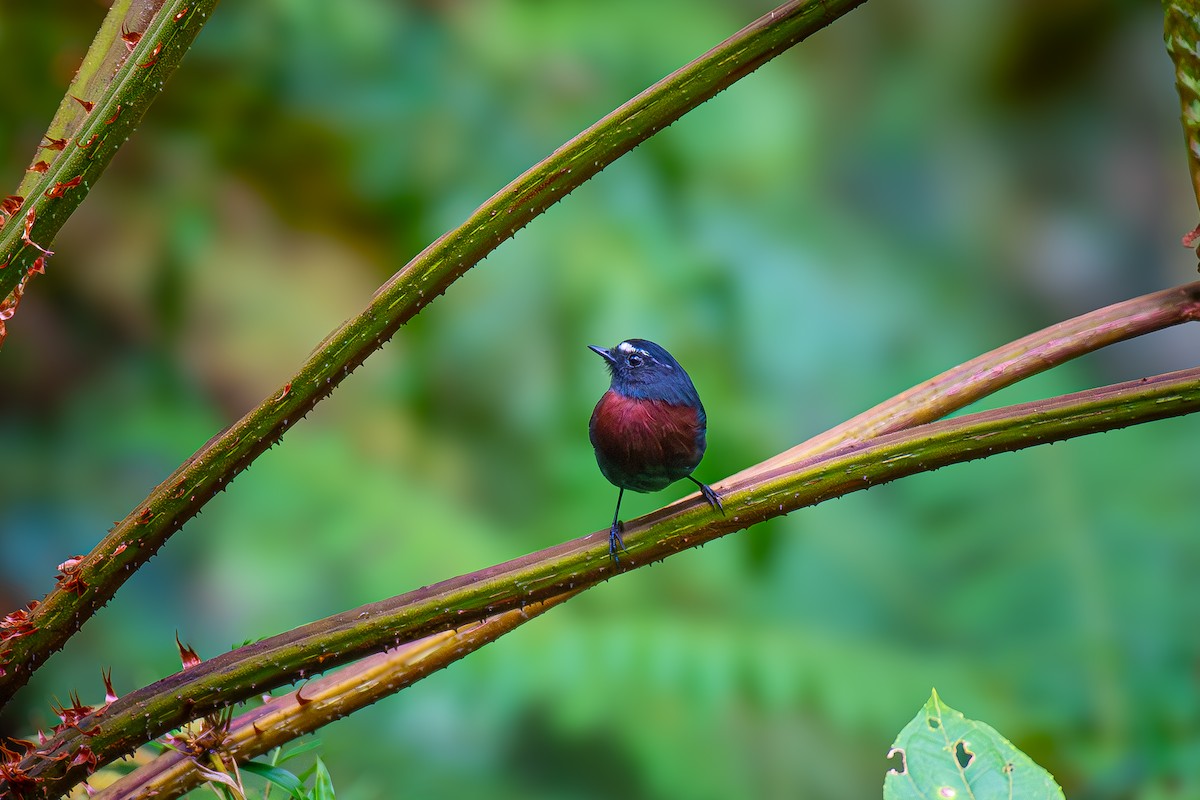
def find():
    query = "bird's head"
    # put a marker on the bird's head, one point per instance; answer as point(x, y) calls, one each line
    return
point(644, 370)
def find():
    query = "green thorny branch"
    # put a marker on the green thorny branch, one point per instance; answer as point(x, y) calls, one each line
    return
point(482, 606)
point(85, 584)
point(781, 485)
point(205, 688)
point(1181, 31)
point(292, 715)
point(139, 46)
point(315, 704)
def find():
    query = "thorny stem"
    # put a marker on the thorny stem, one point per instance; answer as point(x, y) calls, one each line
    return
point(139, 46)
point(764, 493)
point(973, 380)
point(132, 542)
point(950, 442)
point(319, 702)
point(1181, 32)
point(171, 772)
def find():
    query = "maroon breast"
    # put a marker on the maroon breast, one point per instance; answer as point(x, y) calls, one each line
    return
point(645, 445)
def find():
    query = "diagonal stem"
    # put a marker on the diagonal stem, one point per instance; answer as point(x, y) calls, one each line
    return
point(139, 46)
point(1181, 34)
point(764, 492)
point(315, 704)
point(132, 542)
point(973, 380)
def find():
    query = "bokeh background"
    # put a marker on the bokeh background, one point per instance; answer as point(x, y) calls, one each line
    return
point(917, 184)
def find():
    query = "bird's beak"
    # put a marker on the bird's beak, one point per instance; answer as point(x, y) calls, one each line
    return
point(603, 352)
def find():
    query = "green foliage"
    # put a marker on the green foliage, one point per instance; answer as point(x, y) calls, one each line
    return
point(813, 241)
point(322, 783)
point(943, 755)
point(314, 783)
point(278, 776)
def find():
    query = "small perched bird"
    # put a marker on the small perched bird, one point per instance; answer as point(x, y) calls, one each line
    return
point(649, 427)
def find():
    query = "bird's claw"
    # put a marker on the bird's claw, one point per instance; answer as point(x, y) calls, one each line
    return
point(615, 540)
point(710, 495)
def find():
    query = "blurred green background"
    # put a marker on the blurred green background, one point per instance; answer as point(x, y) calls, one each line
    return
point(917, 184)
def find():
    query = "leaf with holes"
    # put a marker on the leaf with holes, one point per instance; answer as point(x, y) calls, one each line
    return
point(943, 755)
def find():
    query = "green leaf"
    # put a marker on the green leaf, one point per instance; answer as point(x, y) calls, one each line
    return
point(942, 754)
point(322, 782)
point(278, 776)
point(300, 749)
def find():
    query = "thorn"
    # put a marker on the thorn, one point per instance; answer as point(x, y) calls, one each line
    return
point(153, 59)
point(11, 204)
point(30, 219)
point(70, 564)
point(186, 654)
point(109, 695)
point(84, 757)
point(131, 38)
point(59, 188)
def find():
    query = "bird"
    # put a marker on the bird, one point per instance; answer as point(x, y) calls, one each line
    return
point(649, 428)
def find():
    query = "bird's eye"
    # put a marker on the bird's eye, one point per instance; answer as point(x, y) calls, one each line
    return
point(634, 360)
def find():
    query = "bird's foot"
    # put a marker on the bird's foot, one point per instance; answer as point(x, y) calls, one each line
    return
point(615, 540)
point(711, 496)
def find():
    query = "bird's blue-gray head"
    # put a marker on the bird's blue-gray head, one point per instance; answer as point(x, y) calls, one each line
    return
point(644, 370)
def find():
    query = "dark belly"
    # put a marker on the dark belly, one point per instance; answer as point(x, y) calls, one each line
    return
point(646, 445)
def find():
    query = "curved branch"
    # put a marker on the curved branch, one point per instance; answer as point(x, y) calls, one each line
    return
point(135, 539)
point(973, 380)
point(764, 492)
point(288, 717)
point(139, 46)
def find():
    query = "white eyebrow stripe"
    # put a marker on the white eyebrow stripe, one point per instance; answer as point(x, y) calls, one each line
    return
point(627, 348)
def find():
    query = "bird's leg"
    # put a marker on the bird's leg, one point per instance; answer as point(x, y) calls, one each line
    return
point(615, 539)
point(712, 497)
